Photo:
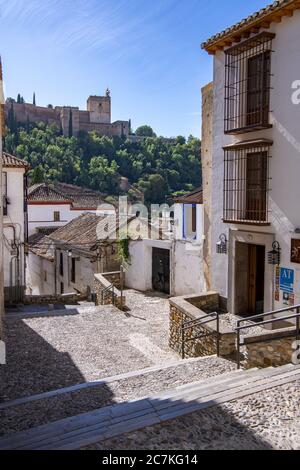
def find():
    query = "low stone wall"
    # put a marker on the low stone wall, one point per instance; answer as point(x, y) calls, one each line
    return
point(273, 352)
point(113, 278)
point(101, 282)
point(183, 309)
point(66, 299)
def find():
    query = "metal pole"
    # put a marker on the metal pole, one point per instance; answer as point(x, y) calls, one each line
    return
point(298, 325)
point(1, 201)
point(182, 341)
point(218, 335)
point(238, 349)
point(122, 285)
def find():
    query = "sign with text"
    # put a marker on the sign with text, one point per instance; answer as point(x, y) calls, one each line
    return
point(287, 277)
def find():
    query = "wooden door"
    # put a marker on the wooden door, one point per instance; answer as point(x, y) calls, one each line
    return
point(252, 263)
point(161, 270)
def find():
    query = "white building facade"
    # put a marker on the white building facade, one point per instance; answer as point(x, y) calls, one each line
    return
point(55, 205)
point(14, 226)
point(255, 162)
point(174, 264)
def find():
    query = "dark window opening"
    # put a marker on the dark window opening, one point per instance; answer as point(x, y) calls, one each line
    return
point(62, 290)
point(73, 271)
point(61, 264)
point(56, 216)
point(194, 218)
point(4, 195)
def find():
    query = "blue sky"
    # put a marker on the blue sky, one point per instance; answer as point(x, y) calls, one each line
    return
point(147, 52)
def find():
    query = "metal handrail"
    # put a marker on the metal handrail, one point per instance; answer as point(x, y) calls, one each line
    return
point(111, 288)
point(196, 323)
point(239, 328)
point(273, 312)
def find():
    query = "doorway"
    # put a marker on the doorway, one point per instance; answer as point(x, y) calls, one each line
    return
point(161, 270)
point(249, 279)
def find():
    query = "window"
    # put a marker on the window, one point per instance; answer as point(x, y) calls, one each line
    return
point(246, 182)
point(61, 264)
point(194, 218)
point(45, 276)
point(189, 221)
point(62, 290)
point(73, 270)
point(56, 216)
point(4, 187)
point(248, 84)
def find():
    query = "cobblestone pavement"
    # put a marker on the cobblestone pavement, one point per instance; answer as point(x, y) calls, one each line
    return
point(21, 417)
point(55, 351)
point(267, 420)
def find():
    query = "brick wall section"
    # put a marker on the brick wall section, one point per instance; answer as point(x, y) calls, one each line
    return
point(184, 309)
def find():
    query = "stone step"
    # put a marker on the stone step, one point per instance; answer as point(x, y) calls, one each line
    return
point(78, 431)
point(103, 381)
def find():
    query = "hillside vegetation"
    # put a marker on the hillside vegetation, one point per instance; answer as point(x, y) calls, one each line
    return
point(154, 165)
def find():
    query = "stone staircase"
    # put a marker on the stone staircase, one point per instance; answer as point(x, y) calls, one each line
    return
point(114, 420)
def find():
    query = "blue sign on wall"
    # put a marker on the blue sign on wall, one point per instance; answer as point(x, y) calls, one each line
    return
point(287, 277)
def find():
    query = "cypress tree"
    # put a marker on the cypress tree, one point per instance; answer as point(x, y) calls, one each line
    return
point(34, 101)
point(71, 124)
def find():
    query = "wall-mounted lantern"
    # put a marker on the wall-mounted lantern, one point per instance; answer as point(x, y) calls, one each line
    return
point(222, 245)
point(274, 255)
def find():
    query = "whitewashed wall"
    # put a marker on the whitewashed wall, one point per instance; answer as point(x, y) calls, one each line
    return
point(187, 268)
point(284, 165)
point(85, 270)
point(43, 215)
point(15, 217)
point(40, 275)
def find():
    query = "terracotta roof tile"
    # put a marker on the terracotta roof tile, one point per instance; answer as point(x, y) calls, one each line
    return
point(196, 197)
point(10, 161)
point(78, 197)
point(251, 20)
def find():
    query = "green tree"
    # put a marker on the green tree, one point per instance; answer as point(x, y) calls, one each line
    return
point(38, 175)
point(145, 131)
point(103, 175)
point(71, 124)
point(34, 100)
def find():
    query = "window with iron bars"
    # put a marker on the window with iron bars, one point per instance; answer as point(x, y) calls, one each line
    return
point(248, 85)
point(246, 182)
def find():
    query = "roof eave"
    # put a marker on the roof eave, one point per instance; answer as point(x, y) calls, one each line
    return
point(251, 25)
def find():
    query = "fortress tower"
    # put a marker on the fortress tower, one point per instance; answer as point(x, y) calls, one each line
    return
point(99, 108)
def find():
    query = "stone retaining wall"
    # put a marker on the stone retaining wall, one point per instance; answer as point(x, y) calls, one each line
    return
point(274, 352)
point(66, 299)
point(102, 281)
point(183, 309)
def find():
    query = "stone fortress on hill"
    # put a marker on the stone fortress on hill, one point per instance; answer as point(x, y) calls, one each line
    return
point(69, 119)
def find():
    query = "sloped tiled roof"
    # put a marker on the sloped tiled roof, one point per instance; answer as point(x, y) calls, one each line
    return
point(196, 197)
point(80, 232)
point(41, 245)
point(260, 19)
point(44, 192)
point(10, 161)
point(78, 197)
